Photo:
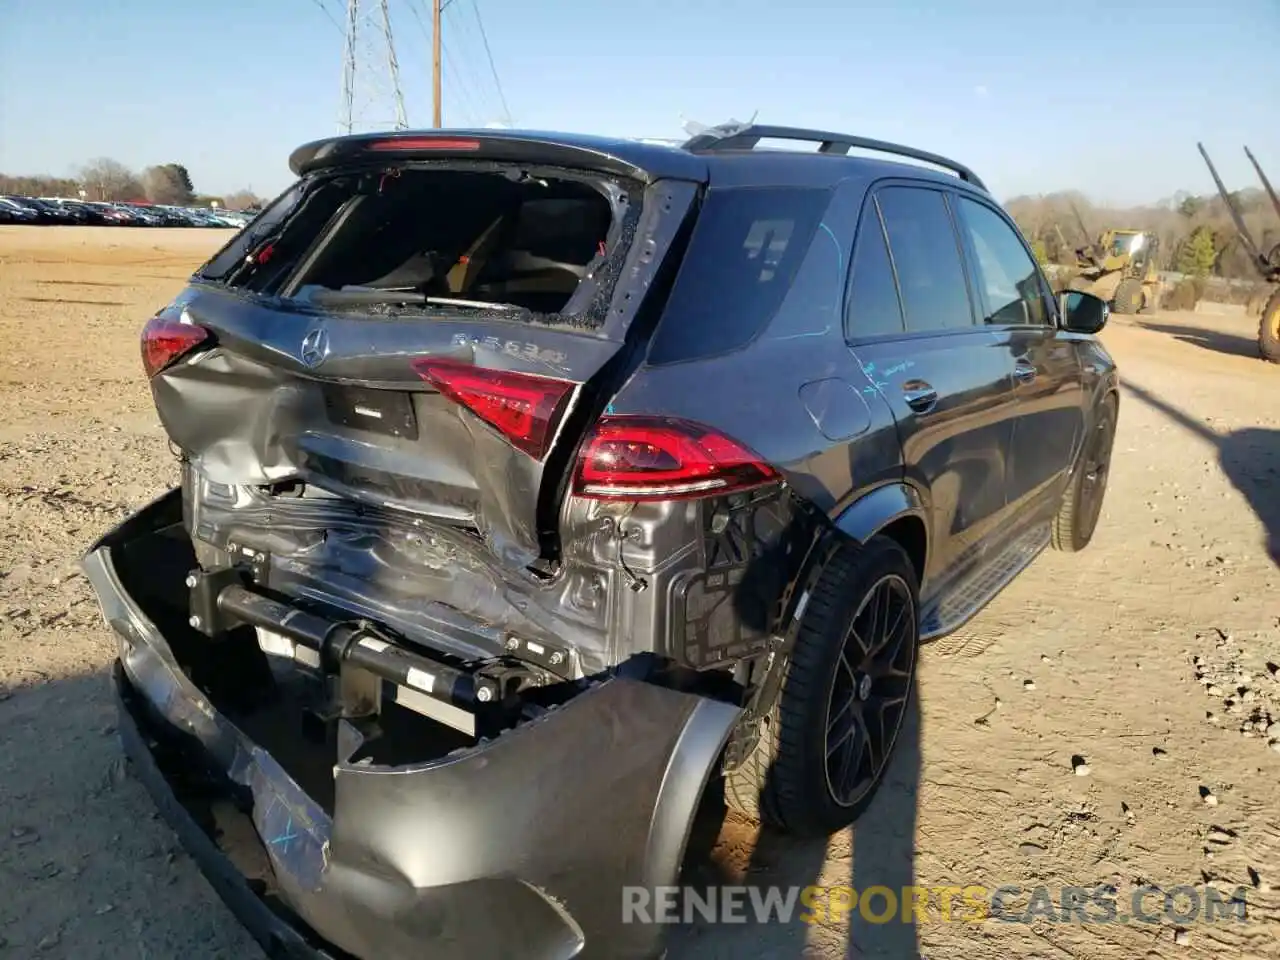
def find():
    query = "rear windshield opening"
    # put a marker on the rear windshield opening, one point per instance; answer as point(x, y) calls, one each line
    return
point(407, 238)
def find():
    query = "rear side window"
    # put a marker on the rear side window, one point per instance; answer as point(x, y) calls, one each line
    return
point(1008, 276)
point(926, 257)
point(873, 308)
point(745, 250)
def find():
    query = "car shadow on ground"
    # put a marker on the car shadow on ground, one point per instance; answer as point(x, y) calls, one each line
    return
point(1219, 341)
point(876, 852)
point(1250, 458)
point(86, 860)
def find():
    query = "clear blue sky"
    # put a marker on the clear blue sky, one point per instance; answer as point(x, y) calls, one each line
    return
point(1109, 97)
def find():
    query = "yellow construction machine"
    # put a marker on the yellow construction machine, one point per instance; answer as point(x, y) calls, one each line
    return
point(1119, 267)
point(1267, 264)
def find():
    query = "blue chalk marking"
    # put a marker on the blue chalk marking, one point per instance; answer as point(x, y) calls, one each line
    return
point(839, 248)
point(288, 834)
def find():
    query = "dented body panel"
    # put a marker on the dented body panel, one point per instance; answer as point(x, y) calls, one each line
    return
point(422, 856)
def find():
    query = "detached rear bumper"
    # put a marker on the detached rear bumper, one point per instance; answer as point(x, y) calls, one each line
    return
point(519, 847)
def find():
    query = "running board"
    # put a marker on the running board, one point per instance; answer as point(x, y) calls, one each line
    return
point(966, 599)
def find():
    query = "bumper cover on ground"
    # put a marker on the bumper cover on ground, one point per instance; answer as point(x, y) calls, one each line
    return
point(519, 847)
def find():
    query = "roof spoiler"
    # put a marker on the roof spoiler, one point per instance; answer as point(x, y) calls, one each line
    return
point(616, 157)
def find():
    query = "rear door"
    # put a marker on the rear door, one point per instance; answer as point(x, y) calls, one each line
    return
point(912, 325)
point(1048, 377)
point(404, 336)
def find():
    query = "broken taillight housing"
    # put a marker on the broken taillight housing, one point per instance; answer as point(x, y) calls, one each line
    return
point(165, 342)
point(663, 458)
point(525, 408)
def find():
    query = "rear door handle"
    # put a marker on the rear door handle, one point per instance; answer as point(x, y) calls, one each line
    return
point(920, 396)
point(1024, 372)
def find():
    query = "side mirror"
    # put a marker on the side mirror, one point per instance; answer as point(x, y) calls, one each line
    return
point(1082, 312)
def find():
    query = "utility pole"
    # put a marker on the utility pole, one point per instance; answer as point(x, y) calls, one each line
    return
point(435, 63)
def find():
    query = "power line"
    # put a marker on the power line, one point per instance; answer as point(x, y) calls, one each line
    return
point(475, 6)
point(462, 87)
point(469, 95)
point(332, 19)
point(456, 30)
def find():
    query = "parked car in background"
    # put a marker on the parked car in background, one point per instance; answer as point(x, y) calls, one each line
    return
point(13, 211)
point(50, 211)
point(77, 214)
point(112, 215)
point(144, 215)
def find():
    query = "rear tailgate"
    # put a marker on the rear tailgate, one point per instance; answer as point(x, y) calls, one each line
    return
point(326, 363)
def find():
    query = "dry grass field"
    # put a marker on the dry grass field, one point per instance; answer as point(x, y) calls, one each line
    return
point(1153, 656)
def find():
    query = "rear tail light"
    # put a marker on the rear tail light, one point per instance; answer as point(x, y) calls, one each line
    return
point(662, 458)
point(523, 407)
point(164, 342)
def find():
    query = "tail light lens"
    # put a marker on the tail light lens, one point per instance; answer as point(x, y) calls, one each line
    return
point(164, 342)
point(662, 458)
point(523, 407)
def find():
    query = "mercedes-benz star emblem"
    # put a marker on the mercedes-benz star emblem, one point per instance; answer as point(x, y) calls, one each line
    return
point(315, 347)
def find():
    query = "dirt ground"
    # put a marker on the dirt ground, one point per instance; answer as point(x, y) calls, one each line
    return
point(1151, 657)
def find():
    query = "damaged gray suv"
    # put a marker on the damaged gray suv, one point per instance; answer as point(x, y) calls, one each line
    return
point(533, 483)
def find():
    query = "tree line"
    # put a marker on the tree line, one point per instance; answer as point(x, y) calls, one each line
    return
point(110, 180)
point(1195, 232)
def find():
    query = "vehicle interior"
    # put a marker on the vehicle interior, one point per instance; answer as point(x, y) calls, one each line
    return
point(506, 238)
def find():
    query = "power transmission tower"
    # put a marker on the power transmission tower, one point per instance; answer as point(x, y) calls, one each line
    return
point(371, 94)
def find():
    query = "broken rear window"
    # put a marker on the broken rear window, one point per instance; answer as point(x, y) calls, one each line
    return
point(410, 238)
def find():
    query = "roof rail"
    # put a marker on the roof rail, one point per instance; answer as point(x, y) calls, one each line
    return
point(745, 136)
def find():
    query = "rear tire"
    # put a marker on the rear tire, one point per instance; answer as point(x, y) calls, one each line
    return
point(1269, 328)
point(1128, 298)
point(826, 744)
point(1081, 506)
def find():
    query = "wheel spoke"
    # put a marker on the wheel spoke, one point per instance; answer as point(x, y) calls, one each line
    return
point(879, 612)
point(850, 762)
point(858, 642)
point(839, 726)
point(893, 686)
point(876, 733)
point(849, 671)
point(889, 644)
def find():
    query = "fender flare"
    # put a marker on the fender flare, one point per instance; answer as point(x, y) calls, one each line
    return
point(874, 511)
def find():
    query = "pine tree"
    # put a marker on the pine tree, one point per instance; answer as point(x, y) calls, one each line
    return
point(1197, 255)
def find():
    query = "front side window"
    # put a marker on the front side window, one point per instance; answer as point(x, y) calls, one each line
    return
point(1007, 274)
point(926, 258)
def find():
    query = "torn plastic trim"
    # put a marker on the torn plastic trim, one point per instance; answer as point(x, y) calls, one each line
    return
point(423, 854)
